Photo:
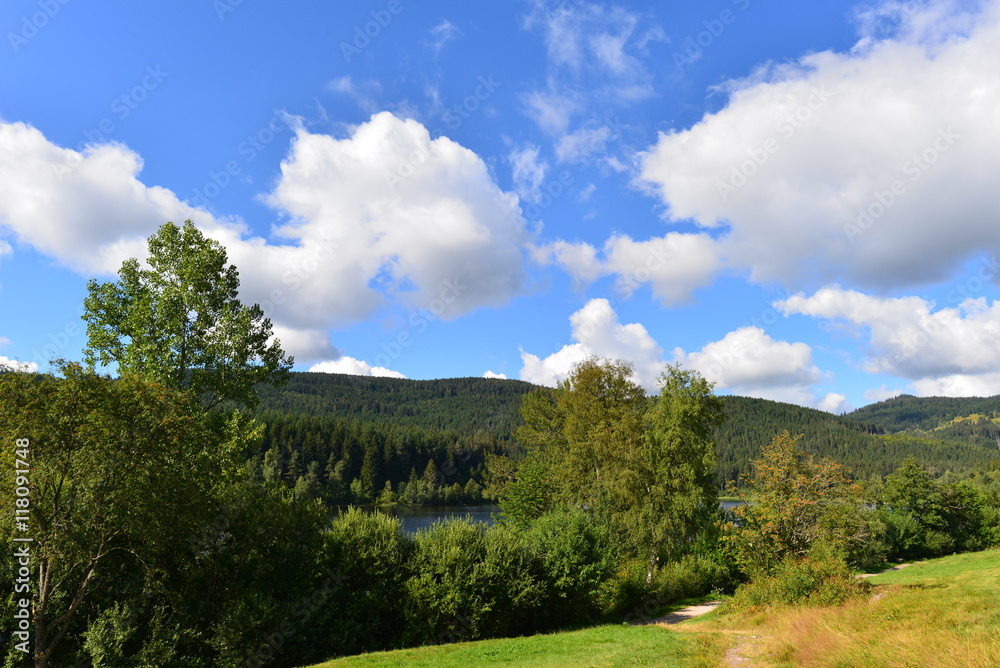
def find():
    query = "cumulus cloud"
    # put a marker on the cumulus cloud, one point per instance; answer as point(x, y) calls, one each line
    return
point(748, 362)
point(14, 365)
point(953, 350)
point(385, 214)
point(674, 265)
point(490, 374)
point(578, 259)
point(597, 331)
point(871, 166)
point(354, 367)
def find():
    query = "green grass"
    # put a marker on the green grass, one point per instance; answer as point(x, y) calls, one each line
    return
point(940, 613)
point(616, 645)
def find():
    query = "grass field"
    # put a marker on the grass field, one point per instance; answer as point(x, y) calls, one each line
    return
point(599, 646)
point(941, 613)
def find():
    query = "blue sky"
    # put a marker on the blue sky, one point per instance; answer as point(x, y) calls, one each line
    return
point(795, 199)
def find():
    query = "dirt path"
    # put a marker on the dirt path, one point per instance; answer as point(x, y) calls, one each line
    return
point(894, 568)
point(686, 613)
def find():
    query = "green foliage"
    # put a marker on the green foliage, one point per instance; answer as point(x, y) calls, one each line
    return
point(577, 557)
point(463, 406)
point(118, 475)
point(821, 577)
point(597, 443)
point(793, 501)
point(928, 517)
point(180, 322)
point(369, 553)
point(907, 412)
point(467, 583)
point(857, 440)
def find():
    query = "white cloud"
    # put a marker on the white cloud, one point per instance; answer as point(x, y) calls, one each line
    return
point(385, 214)
point(354, 367)
point(674, 265)
point(953, 350)
point(598, 41)
point(959, 385)
point(597, 331)
point(88, 210)
point(748, 362)
point(490, 374)
point(803, 151)
point(578, 259)
point(14, 365)
point(586, 193)
point(443, 33)
point(550, 109)
point(880, 393)
point(580, 145)
point(835, 403)
point(528, 172)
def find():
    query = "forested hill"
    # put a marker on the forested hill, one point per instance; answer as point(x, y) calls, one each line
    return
point(462, 405)
point(867, 446)
point(466, 415)
point(967, 419)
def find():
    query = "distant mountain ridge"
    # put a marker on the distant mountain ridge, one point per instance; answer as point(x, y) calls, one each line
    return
point(872, 440)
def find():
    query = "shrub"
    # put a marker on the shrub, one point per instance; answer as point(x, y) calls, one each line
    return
point(365, 554)
point(820, 578)
point(466, 584)
point(576, 557)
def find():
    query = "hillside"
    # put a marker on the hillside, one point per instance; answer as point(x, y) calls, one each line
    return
point(463, 405)
point(973, 420)
point(462, 418)
point(868, 447)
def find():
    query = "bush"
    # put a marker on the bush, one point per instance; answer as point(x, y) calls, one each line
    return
point(820, 578)
point(576, 558)
point(364, 559)
point(467, 583)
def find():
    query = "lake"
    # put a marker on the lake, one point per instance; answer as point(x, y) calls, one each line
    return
point(415, 518)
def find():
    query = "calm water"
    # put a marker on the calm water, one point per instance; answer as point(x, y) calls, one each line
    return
point(416, 518)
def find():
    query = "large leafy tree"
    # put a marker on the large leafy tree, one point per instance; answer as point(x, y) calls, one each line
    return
point(674, 493)
point(598, 443)
point(179, 321)
point(119, 478)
